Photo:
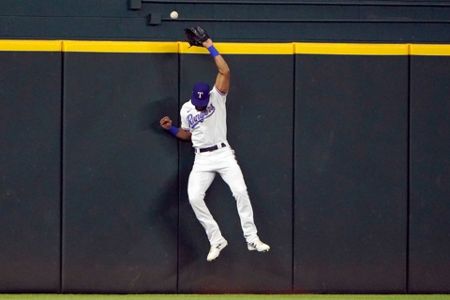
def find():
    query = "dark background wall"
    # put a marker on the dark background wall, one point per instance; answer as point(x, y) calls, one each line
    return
point(251, 20)
point(345, 156)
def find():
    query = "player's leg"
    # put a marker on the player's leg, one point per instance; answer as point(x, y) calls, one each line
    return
point(234, 178)
point(199, 181)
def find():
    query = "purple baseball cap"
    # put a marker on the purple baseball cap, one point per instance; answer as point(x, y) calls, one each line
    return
point(200, 94)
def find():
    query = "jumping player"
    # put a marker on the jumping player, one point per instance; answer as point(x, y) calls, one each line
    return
point(203, 121)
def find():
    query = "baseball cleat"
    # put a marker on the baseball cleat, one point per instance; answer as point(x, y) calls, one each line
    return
point(214, 252)
point(258, 246)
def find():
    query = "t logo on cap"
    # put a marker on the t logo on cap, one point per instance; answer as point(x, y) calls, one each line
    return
point(200, 94)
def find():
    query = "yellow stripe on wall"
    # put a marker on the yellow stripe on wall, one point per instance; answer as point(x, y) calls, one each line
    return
point(351, 49)
point(242, 48)
point(225, 48)
point(120, 47)
point(430, 50)
point(31, 45)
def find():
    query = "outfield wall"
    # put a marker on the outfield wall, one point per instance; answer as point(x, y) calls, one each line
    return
point(344, 148)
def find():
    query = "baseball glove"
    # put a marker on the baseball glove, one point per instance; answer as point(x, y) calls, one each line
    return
point(196, 36)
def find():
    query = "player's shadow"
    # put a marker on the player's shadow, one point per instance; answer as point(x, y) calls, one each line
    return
point(165, 210)
point(166, 216)
point(153, 111)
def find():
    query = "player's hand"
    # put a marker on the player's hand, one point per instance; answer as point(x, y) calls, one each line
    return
point(166, 123)
point(207, 43)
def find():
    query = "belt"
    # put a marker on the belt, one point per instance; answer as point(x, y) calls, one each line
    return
point(209, 149)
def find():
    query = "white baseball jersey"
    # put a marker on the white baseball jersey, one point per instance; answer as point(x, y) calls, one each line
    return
point(208, 127)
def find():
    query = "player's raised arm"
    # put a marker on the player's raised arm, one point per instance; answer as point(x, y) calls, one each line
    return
point(223, 77)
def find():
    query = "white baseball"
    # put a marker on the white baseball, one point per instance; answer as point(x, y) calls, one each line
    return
point(174, 15)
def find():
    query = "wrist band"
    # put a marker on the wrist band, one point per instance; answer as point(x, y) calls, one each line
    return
point(174, 130)
point(213, 51)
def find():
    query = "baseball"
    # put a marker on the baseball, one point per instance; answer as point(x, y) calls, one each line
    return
point(174, 15)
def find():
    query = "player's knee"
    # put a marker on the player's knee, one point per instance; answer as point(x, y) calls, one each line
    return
point(194, 200)
point(195, 197)
point(240, 192)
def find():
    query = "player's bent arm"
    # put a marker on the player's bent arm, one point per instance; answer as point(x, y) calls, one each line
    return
point(180, 133)
point(183, 135)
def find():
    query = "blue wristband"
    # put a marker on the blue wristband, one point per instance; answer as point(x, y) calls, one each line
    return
point(174, 130)
point(213, 51)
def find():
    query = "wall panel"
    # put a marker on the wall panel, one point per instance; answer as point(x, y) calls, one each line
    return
point(430, 175)
point(30, 119)
point(350, 173)
point(120, 173)
point(260, 118)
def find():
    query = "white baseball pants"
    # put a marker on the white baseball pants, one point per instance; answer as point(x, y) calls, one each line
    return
point(223, 162)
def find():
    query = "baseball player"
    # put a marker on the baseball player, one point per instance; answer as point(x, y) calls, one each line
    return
point(203, 121)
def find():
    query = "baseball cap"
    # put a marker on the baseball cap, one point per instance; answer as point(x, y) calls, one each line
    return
point(200, 94)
